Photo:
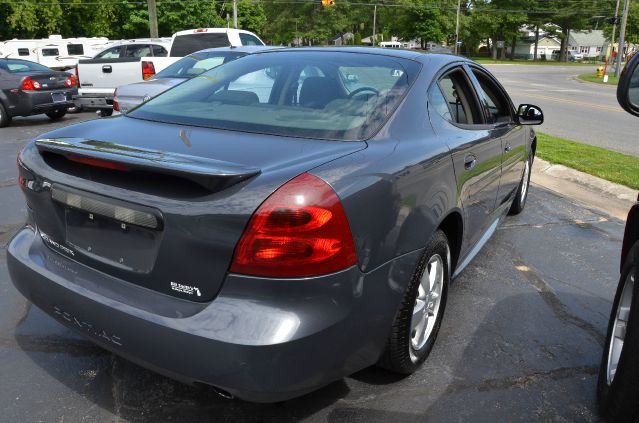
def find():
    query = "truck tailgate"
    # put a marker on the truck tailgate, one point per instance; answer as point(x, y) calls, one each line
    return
point(109, 73)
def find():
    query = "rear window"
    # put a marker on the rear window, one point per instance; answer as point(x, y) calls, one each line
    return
point(197, 63)
point(186, 44)
point(15, 66)
point(75, 49)
point(320, 94)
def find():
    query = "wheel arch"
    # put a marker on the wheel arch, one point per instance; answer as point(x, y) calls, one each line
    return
point(631, 234)
point(453, 227)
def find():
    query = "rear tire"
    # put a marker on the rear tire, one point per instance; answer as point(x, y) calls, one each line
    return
point(420, 314)
point(5, 119)
point(519, 202)
point(618, 385)
point(106, 112)
point(57, 113)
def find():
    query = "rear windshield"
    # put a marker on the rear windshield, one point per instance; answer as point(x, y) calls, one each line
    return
point(311, 94)
point(189, 43)
point(17, 66)
point(197, 63)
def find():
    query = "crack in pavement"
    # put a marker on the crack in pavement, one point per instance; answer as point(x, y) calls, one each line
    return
point(522, 381)
point(9, 183)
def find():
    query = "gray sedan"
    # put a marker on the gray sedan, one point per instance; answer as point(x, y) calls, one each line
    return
point(129, 96)
point(269, 227)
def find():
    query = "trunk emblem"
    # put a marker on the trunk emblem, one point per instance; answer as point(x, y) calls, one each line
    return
point(53, 78)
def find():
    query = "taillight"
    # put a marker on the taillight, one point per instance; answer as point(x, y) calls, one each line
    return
point(97, 162)
point(148, 70)
point(71, 81)
point(116, 105)
point(29, 84)
point(77, 75)
point(300, 230)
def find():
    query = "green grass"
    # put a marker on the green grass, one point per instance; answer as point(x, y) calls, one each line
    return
point(591, 77)
point(612, 166)
point(486, 61)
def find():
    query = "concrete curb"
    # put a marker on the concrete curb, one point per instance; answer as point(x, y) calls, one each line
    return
point(594, 192)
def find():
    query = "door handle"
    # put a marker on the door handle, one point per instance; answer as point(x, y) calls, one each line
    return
point(469, 162)
point(107, 69)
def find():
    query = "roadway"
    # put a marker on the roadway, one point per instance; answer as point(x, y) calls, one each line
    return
point(573, 109)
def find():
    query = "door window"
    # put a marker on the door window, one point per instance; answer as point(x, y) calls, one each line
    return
point(138, 50)
point(159, 51)
point(496, 106)
point(452, 98)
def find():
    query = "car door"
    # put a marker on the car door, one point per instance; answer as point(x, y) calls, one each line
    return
point(456, 116)
point(500, 114)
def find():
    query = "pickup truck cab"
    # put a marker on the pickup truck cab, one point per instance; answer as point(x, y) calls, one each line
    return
point(139, 60)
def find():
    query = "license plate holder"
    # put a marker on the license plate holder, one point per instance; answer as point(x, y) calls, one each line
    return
point(58, 97)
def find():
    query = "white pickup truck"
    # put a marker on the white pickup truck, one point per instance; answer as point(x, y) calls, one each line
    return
point(137, 60)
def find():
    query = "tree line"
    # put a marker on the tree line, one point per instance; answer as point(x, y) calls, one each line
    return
point(283, 21)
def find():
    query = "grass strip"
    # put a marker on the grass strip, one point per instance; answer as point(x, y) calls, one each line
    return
point(609, 165)
point(590, 77)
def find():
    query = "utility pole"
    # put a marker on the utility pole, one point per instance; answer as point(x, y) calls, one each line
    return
point(374, 23)
point(457, 25)
point(153, 18)
point(614, 29)
point(235, 14)
point(622, 35)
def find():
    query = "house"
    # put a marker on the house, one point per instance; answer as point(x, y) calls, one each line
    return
point(341, 39)
point(589, 43)
point(525, 49)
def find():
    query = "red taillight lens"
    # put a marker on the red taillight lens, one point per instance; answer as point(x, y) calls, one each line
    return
point(71, 81)
point(116, 105)
point(97, 162)
point(300, 230)
point(29, 84)
point(77, 75)
point(148, 70)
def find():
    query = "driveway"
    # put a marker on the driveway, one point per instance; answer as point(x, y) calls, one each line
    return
point(521, 338)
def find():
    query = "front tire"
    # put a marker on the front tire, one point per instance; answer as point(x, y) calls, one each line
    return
point(618, 385)
point(57, 113)
point(519, 202)
point(420, 314)
point(5, 119)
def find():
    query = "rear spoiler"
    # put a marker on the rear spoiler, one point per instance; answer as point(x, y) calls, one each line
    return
point(214, 175)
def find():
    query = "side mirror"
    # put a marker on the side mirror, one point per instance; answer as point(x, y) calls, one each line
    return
point(529, 114)
point(628, 88)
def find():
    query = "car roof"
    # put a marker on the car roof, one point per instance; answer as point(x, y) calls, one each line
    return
point(242, 49)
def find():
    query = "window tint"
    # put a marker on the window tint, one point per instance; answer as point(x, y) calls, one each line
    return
point(258, 94)
point(189, 43)
point(50, 52)
point(138, 50)
point(75, 49)
point(23, 52)
point(23, 66)
point(459, 99)
point(249, 40)
point(111, 53)
point(159, 51)
point(197, 63)
point(496, 106)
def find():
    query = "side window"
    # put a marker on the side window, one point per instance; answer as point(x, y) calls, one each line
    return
point(452, 98)
point(137, 50)
point(494, 100)
point(23, 52)
point(50, 52)
point(159, 51)
point(249, 40)
point(112, 53)
point(75, 49)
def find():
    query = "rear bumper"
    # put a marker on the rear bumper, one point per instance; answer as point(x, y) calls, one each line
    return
point(261, 340)
point(26, 103)
point(94, 101)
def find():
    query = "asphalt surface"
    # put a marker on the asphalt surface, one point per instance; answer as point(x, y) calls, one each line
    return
point(573, 109)
point(521, 338)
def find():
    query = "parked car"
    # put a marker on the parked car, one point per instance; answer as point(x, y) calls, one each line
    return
point(265, 230)
point(618, 385)
point(29, 88)
point(99, 77)
point(129, 96)
point(573, 55)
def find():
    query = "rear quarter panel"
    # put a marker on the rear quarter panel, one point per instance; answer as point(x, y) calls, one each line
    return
point(631, 235)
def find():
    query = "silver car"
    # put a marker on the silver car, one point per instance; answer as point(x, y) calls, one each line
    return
point(129, 96)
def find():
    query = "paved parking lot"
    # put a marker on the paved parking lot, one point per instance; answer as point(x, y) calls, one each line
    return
point(521, 338)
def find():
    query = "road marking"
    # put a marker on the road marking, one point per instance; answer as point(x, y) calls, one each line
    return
point(578, 103)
